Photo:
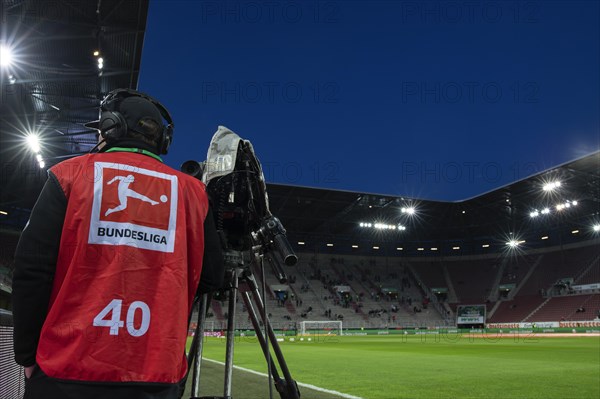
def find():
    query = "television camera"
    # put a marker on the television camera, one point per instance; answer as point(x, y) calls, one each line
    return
point(250, 234)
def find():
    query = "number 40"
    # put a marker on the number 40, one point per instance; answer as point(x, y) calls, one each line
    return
point(115, 322)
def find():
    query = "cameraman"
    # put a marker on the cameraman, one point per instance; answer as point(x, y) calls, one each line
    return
point(117, 246)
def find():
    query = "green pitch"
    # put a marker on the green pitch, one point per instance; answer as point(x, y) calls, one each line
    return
point(427, 366)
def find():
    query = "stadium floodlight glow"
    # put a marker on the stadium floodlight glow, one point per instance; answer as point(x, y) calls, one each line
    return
point(355, 246)
point(485, 246)
point(330, 245)
point(399, 249)
point(567, 204)
point(3, 213)
point(375, 247)
point(545, 211)
point(410, 210)
point(420, 249)
point(596, 227)
point(11, 79)
point(42, 165)
point(575, 232)
point(100, 63)
point(38, 157)
point(382, 226)
point(301, 242)
point(96, 53)
point(534, 214)
point(34, 142)
point(544, 238)
point(434, 249)
point(513, 243)
point(455, 248)
point(6, 56)
point(551, 186)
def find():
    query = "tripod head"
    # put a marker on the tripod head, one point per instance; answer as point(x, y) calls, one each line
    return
point(236, 186)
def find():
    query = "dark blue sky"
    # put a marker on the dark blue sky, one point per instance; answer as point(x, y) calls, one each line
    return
point(435, 100)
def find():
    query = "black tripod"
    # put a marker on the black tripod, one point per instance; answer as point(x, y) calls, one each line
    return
point(239, 277)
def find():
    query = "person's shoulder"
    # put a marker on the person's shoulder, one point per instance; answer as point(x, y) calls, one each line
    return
point(70, 164)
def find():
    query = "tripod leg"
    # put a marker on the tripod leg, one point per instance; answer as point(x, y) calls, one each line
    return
point(199, 336)
point(259, 335)
point(289, 389)
point(230, 336)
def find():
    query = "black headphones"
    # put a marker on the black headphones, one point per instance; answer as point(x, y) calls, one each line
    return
point(113, 126)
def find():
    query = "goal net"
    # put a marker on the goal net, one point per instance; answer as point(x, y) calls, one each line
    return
point(329, 327)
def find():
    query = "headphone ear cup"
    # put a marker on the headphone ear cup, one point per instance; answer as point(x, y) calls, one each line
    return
point(165, 139)
point(112, 126)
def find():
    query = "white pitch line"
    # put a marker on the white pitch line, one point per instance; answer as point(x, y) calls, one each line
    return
point(313, 387)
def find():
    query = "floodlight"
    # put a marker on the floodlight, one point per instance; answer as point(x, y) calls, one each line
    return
point(96, 53)
point(545, 211)
point(534, 214)
point(6, 56)
point(330, 245)
point(485, 246)
point(551, 186)
point(300, 242)
point(596, 227)
point(420, 249)
point(455, 248)
point(11, 79)
point(355, 246)
point(544, 237)
point(375, 247)
point(512, 243)
point(34, 142)
point(575, 232)
point(42, 164)
point(399, 249)
point(408, 210)
point(3, 213)
point(434, 249)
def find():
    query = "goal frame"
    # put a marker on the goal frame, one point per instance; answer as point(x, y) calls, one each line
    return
point(335, 324)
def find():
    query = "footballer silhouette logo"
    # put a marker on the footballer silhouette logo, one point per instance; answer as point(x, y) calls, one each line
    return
point(125, 192)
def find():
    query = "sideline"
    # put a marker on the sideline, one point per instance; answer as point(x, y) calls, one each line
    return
point(313, 387)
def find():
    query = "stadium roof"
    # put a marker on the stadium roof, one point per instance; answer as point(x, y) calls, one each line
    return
point(66, 56)
point(56, 81)
point(317, 217)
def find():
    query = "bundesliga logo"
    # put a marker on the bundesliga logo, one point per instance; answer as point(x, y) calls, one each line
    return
point(134, 207)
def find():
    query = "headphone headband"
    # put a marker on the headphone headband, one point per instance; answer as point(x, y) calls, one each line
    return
point(124, 93)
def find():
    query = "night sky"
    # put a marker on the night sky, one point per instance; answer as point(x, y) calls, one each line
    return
point(433, 100)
